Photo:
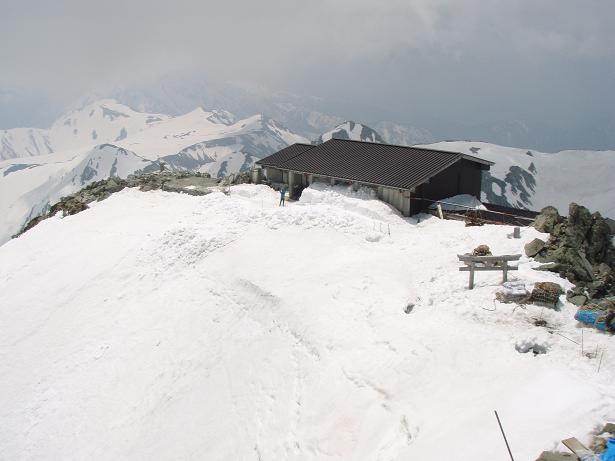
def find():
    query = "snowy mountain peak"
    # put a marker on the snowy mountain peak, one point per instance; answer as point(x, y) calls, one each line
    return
point(351, 130)
point(100, 121)
point(222, 116)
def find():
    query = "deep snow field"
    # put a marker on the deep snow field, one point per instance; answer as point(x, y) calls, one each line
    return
point(164, 326)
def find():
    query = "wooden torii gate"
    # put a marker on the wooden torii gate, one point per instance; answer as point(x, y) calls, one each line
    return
point(487, 263)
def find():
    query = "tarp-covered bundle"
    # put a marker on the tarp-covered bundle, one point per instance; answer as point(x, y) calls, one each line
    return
point(600, 315)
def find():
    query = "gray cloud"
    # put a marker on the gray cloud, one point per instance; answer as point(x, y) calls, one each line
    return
point(429, 62)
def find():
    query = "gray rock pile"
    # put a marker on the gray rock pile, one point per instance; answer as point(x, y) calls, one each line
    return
point(170, 181)
point(578, 249)
point(482, 250)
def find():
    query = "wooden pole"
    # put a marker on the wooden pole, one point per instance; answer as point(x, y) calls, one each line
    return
point(503, 435)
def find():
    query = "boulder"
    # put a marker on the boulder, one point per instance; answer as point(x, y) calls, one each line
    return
point(578, 300)
point(547, 219)
point(577, 267)
point(579, 223)
point(551, 267)
point(598, 239)
point(576, 296)
point(113, 186)
point(482, 250)
point(534, 247)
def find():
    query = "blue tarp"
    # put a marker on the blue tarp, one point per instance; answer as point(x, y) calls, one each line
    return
point(593, 317)
point(609, 453)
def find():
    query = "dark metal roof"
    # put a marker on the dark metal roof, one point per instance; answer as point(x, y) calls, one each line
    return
point(402, 167)
point(285, 154)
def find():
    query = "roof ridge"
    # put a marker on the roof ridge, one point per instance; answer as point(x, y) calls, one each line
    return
point(395, 145)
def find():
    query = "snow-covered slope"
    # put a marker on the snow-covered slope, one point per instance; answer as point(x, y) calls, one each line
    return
point(29, 186)
point(164, 326)
point(529, 179)
point(394, 133)
point(351, 130)
point(102, 121)
point(24, 142)
point(211, 141)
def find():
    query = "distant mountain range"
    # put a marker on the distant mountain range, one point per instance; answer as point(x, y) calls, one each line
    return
point(104, 138)
point(310, 116)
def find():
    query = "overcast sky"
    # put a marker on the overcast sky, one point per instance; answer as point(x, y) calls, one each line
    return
point(477, 60)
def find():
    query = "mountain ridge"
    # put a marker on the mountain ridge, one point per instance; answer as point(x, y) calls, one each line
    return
point(218, 143)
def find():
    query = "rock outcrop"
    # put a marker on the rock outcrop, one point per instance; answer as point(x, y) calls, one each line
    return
point(187, 183)
point(579, 249)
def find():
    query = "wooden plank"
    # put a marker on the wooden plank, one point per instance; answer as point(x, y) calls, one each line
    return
point(440, 211)
point(505, 272)
point(486, 268)
point(480, 259)
point(577, 447)
point(471, 282)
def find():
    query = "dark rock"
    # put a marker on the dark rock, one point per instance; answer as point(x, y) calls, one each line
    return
point(577, 296)
point(113, 186)
point(147, 187)
point(534, 247)
point(579, 249)
point(574, 261)
point(547, 219)
point(578, 300)
point(598, 239)
point(557, 230)
point(579, 224)
point(551, 266)
point(482, 250)
point(604, 270)
point(609, 428)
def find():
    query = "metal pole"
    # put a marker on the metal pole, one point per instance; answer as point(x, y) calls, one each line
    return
point(503, 435)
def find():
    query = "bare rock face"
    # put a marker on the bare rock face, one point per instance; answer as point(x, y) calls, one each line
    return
point(547, 219)
point(534, 247)
point(579, 249)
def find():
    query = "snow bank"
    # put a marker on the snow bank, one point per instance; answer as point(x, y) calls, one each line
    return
point(362, 201)
point(252, 191)
point(462, 202)
point(223, 327)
